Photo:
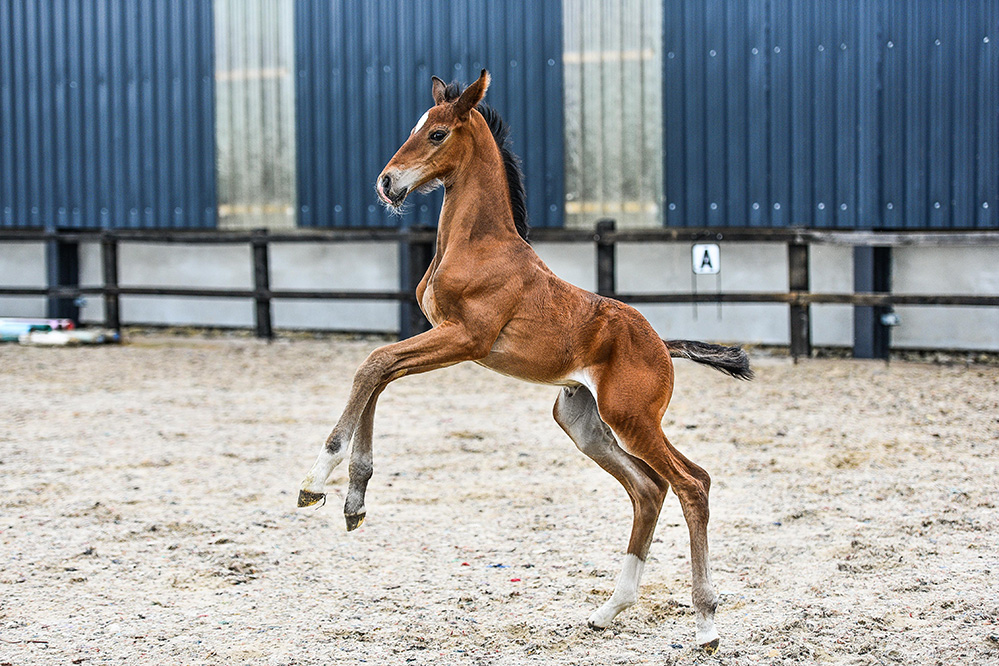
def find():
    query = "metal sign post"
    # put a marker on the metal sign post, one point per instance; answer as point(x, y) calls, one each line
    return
point(705, 259)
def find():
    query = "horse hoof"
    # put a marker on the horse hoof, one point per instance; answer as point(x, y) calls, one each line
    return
point(308, 498)
point(595, 627)
point(711, 647)
point(354, 521)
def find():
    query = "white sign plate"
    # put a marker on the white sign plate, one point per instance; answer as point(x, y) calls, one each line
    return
point(706, 259)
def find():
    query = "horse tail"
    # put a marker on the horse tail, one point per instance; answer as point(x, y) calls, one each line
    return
point(730, 360)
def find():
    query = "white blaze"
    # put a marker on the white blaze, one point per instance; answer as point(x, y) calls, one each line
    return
point(423, 119)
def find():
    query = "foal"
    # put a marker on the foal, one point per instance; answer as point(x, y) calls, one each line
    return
point(493, 301)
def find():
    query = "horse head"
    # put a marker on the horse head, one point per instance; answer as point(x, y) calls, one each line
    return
point(442, 141)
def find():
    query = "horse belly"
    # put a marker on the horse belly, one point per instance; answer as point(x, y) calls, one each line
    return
point(536, 365)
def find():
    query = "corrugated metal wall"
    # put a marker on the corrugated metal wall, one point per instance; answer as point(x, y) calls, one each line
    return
point(255, 113)
point(364, 71)
point(107, 114)
point(832, 114)
point(613, 111)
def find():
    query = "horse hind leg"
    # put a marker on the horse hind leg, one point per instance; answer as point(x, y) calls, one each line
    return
point(576, 412)
point(639, 430)
point(691, 485)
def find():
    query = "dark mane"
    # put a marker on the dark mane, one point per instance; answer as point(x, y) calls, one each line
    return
point(452, 91)
point(514, 175)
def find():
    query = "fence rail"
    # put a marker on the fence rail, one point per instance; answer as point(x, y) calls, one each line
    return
point(418, 248)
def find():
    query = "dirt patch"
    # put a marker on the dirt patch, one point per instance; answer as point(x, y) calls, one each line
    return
point(147, 515)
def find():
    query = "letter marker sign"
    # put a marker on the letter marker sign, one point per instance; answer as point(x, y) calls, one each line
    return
point(706, 259)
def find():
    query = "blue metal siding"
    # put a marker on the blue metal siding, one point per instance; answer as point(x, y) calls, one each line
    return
point(364, 71)
point(106, 114)
point(849, 114)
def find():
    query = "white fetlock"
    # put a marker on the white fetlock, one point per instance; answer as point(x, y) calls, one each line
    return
point(603, 616)
point(625, 593)
point(310, 485)
point(707, 635)
point(315, 481)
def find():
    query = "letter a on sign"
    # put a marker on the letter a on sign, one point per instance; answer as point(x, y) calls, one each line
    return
point(706, 259)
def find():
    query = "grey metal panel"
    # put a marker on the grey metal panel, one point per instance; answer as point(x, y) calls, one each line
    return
point(363, 80)
point(835, 113)
point(106, 118)
point(255, 113)
point(613, 111)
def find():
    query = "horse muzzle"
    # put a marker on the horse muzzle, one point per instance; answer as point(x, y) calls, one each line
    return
point(389, 192)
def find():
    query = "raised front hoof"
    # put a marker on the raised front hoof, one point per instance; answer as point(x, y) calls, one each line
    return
point(308, 498)
point(711, 646)
point(354, 520)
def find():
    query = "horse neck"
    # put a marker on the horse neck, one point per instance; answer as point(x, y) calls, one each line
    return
point(477, 198)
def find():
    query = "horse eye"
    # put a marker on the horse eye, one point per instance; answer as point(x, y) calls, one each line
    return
point(438, 135)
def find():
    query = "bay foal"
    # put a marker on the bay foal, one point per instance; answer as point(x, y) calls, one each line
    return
point(493, 301)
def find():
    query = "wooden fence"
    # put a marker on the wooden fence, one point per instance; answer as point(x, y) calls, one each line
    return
point(418, 249)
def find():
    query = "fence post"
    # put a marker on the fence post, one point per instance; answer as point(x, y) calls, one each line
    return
point(606, 259)
point(109, 264)
point(871, 273)
point(262, 284)
point(415, 257)
point(798, 281)
point(62, 263)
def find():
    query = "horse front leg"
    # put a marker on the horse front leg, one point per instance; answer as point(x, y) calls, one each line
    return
point(439, 347)
point(361, 465)
point(334, 450)
point(369, 381)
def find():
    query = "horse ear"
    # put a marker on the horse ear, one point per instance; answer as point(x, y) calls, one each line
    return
point(438, 90)
point(473, 95)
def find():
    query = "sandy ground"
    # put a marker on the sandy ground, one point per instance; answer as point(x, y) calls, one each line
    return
point(147, 515)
